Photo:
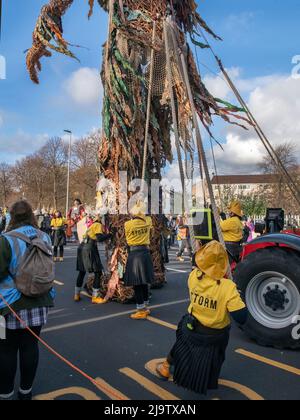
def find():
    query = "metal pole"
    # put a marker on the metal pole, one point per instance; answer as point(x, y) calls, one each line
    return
point(176, 130)
point(149, 103)
point(201, 151)
point(173, 107)
point(268, 146)
point(69, 169)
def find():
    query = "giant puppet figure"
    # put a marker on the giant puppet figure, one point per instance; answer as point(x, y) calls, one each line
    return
point(135, 68)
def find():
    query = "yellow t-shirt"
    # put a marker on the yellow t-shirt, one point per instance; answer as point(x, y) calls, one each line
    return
point(94, 230)
point(183, 233)
point(138, 231)
point(58, 223)
point(211, 303)
point(232, 229)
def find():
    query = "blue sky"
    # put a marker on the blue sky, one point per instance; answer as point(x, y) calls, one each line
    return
point(260, 39)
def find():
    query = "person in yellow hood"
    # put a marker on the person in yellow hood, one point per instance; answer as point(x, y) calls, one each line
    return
point(89, 261)
point(203, 334)
point(233, 229)
point(58, 226)
point(139, 272)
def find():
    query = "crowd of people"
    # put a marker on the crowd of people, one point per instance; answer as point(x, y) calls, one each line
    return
point(179, 234)
point(203, 334)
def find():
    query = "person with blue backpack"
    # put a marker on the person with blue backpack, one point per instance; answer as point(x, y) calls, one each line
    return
point(26, 288)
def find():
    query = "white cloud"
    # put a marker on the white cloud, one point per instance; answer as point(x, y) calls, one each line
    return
point(84, 88)
point(171, 177)
point(219, 88)
point(239, 155)
point(275, 102)
point(20, 144)
point(239, 22)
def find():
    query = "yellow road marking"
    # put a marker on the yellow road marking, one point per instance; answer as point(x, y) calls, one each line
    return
point(149, 385)
point(151, 367)
point(58, 283)
point(81, 392)
point(162, 323)
point(112, 393)
point(269, 362)
point(247, 392)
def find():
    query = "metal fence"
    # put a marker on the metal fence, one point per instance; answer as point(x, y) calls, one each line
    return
point(289, 219)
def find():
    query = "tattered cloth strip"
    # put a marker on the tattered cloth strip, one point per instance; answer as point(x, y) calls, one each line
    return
point(48, 29)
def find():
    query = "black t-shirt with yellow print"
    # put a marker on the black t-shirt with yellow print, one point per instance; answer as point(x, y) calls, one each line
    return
point(212, 301)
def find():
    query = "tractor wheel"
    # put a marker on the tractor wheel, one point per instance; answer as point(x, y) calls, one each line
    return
point(269, 280)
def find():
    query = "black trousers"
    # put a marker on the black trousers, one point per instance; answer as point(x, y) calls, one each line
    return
point(81, 276)
point(61, 251)
point(234, 251)
point(18, 343)
point(185, 243)
point(141, 294)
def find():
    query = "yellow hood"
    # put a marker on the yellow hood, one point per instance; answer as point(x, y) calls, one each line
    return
point(213, 260)
point(236, 208)
point(139, 210)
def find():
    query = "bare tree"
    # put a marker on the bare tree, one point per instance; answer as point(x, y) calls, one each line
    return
point(31, 180)
point(54, 154)
point(279, 195)
point(86, 150)
point(85, 168)
point(6, 184)
point(41, 177)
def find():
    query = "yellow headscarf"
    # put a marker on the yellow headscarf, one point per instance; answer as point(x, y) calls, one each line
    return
point(213, 260)
point(139, 209)
point(236, 208)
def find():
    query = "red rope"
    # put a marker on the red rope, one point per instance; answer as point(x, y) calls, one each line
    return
point(59, 356)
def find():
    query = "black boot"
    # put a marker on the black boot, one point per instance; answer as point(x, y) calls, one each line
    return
point(24, 397)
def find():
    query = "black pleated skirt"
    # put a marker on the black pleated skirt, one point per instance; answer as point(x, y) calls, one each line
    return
point(59, 238)
point(198, 357)
point(88, 258)
point(139, 270)
point(234, 251)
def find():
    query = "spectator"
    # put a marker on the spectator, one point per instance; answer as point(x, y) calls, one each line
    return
point(59, 225)
point(184, 239)
point(76, 213)
point(33, 311)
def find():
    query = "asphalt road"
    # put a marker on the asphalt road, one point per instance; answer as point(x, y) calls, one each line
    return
point(106, 344)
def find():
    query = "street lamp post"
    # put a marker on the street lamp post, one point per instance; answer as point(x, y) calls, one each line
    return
point(69, 167)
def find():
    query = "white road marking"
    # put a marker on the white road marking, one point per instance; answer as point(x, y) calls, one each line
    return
point(178, 271)
point(56, 312)
point(58, 283)
point(103, 318)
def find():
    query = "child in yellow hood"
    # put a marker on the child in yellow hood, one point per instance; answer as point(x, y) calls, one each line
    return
point(233, 230)
point(203, 334)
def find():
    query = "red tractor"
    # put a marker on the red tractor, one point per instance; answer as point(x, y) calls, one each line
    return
point(268, 277)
